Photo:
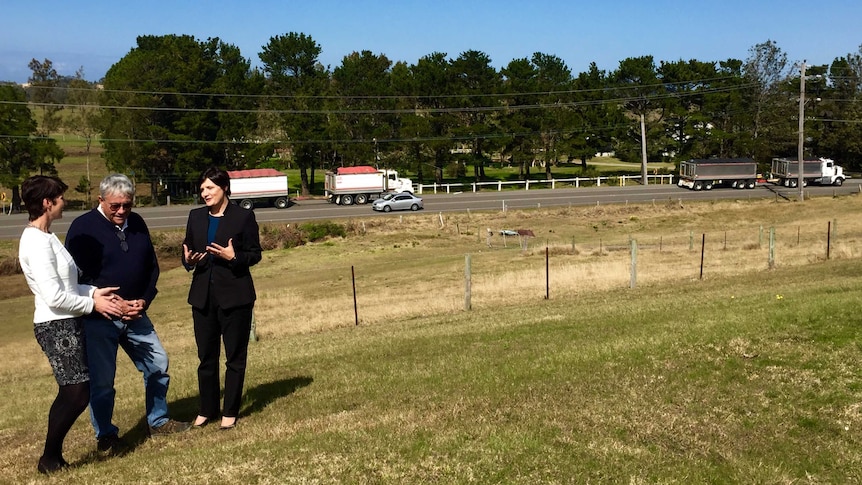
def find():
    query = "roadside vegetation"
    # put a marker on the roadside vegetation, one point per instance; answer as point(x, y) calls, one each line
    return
point(743, 370)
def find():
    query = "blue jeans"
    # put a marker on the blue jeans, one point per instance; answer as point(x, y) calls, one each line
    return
point(140, 342)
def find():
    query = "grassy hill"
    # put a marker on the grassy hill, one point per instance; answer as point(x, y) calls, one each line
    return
point(742, 369)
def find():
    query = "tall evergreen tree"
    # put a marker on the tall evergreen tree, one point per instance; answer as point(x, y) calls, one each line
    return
point(22, 149)
point(520, 83)
point(297, 85)
point(476, 83)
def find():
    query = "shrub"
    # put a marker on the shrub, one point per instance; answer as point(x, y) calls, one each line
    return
point(317, 231)
point(280, 236)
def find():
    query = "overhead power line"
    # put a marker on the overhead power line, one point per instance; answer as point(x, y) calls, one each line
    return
point(696, 82)
point(410, 110)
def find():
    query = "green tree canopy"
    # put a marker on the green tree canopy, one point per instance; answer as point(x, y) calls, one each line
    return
point(166, 113)
point(21, 150)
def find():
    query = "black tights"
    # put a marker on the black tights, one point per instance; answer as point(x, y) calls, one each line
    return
point(70, 402)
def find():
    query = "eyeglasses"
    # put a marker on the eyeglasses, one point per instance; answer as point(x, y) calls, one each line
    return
point(115, 207)
point(123, 244)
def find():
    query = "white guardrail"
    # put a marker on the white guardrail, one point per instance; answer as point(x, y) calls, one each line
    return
point(619, 180)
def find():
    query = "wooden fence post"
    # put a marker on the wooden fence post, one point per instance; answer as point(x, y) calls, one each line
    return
point(468, 292)
point(355, 307)
point(771, 247)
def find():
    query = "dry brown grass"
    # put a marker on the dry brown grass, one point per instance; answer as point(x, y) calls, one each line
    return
point(413, 266)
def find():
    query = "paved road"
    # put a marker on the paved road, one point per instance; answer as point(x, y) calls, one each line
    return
point(175, 216)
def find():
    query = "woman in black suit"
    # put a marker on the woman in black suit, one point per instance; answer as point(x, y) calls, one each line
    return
point(222, 243)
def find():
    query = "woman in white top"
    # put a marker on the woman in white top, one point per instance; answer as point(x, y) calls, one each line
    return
point(52, 276)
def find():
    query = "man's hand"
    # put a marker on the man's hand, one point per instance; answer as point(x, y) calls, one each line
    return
point(133, 309)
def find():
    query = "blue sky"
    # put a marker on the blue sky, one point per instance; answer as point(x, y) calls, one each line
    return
point(97, 33)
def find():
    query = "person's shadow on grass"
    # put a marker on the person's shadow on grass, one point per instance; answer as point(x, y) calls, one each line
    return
point(255, 400)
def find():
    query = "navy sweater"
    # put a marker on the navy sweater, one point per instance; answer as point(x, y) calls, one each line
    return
point(93, 243)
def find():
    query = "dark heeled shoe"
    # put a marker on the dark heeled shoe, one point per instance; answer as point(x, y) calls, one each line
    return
point(46, 466)
point(197, 423)
point(225, 427)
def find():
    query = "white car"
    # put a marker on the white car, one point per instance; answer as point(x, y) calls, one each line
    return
point(397, 201)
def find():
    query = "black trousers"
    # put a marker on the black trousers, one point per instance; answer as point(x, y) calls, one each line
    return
point(232, 326)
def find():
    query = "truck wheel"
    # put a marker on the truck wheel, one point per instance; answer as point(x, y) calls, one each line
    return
point(791, 183)
point(281, 202)
point(247, 204)
point(838, 182)
point(708, 186)
point(361, 199)
point(698, 186)
point(751, 184)
point(346, 199)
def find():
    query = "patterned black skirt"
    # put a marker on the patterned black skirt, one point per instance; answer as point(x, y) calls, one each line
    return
point(63, 344)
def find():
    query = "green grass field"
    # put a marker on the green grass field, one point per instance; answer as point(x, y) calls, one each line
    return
point(745, 375)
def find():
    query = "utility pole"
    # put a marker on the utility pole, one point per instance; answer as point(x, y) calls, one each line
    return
point(801, 179)
point(643, 151)
point(376, 154)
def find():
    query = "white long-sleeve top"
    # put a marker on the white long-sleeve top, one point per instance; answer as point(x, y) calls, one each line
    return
point(52, 276)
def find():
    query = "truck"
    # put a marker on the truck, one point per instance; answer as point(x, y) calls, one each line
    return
point(259, 185)
point(706, 173)
point(822, 171)
point(362, 184)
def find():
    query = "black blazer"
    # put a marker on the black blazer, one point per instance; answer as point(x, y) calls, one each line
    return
point(228, 282)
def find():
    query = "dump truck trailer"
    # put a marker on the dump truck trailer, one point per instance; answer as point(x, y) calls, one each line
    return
point(259, 186)
point(706, 173)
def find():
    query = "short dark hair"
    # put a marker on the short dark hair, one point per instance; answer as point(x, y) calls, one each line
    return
point(38, 188)
point(218, 177)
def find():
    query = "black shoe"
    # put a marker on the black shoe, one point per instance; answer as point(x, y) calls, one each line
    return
point(225, 427)
point(111, 445)
point(46, 466)
point(170, 427)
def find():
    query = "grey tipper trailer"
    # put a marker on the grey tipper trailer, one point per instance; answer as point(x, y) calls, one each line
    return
point(706, 173)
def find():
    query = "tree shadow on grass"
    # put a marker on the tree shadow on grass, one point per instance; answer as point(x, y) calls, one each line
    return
point(255, 400)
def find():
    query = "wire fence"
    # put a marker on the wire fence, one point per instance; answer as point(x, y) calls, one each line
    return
point(507, 268)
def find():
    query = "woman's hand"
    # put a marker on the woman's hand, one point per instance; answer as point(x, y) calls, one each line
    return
point(192, 258)
point(107, 303)
point(224, 252)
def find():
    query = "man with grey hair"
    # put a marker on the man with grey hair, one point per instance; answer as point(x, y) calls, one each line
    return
point(112, 247)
